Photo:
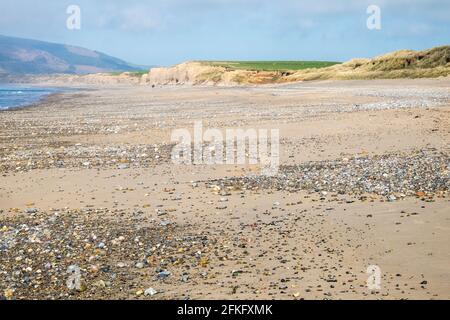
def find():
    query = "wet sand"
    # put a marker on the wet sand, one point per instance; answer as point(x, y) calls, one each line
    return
point(87, 181)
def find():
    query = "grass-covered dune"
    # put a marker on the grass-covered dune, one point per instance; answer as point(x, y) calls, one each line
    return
point(429, 63)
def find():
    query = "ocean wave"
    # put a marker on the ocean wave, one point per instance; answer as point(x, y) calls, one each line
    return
point(11, 98)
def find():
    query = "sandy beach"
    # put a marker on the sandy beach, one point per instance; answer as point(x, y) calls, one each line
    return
point(87, 181)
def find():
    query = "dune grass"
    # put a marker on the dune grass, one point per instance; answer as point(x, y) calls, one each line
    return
point(131, 73)
point(270, 65)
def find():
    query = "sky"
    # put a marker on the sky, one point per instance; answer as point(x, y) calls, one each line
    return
point(167, 32)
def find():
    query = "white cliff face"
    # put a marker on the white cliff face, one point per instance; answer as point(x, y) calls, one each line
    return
point(196, 73)
point(185, 73)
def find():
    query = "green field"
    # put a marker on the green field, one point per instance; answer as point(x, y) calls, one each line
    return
point(131, 73)
point(270, 65)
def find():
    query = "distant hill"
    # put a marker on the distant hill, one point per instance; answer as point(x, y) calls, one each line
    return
point(25, 56)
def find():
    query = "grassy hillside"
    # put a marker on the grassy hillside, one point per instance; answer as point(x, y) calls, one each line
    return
point(429, 63)
point(25, 56)
point(270, 65)
point(409, 59)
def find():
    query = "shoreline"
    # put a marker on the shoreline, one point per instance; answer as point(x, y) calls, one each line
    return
point(47, 98)
point(43, 100)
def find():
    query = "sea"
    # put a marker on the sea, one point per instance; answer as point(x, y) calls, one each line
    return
point(20, 96)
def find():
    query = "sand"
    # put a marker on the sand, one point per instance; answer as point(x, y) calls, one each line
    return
point(98, 162)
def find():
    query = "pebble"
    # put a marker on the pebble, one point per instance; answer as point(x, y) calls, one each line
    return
point(150, 292)
point(163, 275)
point(403, 174)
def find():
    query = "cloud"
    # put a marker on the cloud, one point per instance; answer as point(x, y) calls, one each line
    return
point(133, 18)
